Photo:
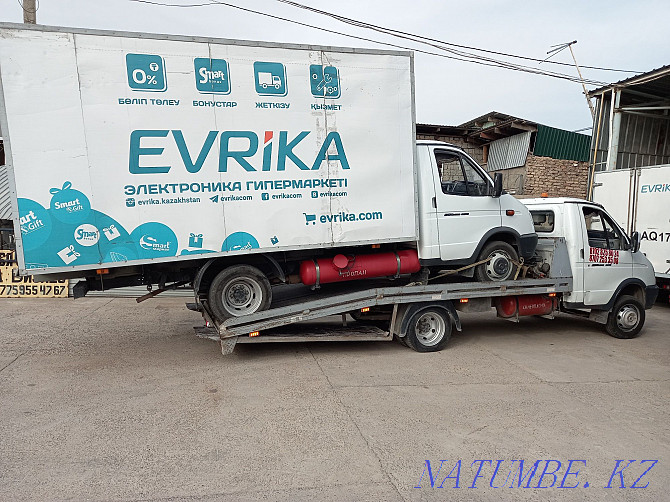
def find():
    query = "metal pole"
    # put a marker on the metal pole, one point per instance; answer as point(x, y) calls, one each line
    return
point(29, 11)
point(579, 71)
point(613, 153)
point(595, 148)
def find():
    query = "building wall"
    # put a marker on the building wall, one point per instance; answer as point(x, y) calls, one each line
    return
point(513, 180)
point(559, 178)
point(474, 151)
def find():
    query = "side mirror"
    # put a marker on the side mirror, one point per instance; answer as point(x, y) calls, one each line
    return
point(635, 242)
point(497, 185)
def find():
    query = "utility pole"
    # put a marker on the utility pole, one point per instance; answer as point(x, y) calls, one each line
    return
point(558, 48)
point(29, 11)
point(579, 71)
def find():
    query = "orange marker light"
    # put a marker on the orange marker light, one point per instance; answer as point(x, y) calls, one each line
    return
point(552, 294)
point(365, 309)
point(544, 195)
point(102, 271)
point(254, 333)
point(465, 300)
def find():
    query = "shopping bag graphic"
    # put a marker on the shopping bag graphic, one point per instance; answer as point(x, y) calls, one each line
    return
point(195, 241)
point(68, 254)
point(111, 232)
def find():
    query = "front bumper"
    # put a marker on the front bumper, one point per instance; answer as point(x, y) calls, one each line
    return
point(650, 296)
point(527, 245)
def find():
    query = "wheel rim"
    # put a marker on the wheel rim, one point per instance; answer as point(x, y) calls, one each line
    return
point(499, 266)
point(628, 317)
point(430, 329)
point(242, 296)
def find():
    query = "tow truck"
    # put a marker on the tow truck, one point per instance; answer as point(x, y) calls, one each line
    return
point(584, 265)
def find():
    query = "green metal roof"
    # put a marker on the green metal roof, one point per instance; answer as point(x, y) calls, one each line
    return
point(560, 144)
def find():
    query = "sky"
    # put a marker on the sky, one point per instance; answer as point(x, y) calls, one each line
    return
point(611, 34)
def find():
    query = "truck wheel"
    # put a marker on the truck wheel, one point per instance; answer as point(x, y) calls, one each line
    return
point(239, 290)
point(429, 330)
point(500, 266)
point(626, 319)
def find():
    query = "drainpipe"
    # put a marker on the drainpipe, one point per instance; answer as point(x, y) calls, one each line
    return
point(615, 127)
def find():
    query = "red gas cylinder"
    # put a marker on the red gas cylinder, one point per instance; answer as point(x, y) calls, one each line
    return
point(509, 306)
point(351, 267)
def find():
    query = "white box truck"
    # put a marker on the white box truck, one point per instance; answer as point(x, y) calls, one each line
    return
point(638, 200)
point(150, 159)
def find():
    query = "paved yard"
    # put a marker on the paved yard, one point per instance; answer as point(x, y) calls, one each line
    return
point(105, 399)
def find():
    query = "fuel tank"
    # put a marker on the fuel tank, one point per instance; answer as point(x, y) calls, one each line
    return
point(510, 306)
point(353, 267)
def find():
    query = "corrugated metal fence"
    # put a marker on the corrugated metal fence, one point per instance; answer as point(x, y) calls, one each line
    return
point(560, 144)
point(510, 152)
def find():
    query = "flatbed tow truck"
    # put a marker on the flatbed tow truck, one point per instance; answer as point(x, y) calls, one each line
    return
point(585, 265)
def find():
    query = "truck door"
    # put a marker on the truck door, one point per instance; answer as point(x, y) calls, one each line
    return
point(465, 208)
point(608, 259)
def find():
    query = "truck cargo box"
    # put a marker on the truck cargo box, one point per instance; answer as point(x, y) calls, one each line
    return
point(133, 148)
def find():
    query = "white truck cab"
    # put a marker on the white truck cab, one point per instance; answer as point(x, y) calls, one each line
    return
point(464, 217)
point(610, 274)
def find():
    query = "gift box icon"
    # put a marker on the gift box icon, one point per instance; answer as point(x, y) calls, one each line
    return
point(111, 232)
point(68, 254)
point(195, 241)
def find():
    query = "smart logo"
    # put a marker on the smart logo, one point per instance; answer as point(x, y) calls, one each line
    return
point(30, 222)
point(270, 79)
point(211, 76)
point(146, 72)
point(151, 244)
point(324, 81)
point(86, 235)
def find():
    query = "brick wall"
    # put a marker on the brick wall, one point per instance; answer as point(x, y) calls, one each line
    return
point(474, 151)
point(559, 178)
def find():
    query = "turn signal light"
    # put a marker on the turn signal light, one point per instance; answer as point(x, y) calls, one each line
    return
point(552, 294)
point(365, 309)
point(465, 300)
point(254, 333)
point(509, 212)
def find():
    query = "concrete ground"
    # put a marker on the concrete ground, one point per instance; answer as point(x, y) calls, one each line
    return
point(104, 399)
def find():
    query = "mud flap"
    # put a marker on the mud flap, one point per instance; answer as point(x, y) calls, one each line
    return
point(228, 345)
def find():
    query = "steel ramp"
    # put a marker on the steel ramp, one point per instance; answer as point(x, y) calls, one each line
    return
point(339, 303)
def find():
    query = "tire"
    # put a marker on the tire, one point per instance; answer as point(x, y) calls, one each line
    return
point(401, 340)
point(429, 330)
point(626, 318)
point(239, 290)
point(500, 267)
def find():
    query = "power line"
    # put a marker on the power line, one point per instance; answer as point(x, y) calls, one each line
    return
point(422, 40)
point(463, 56)
point(363, 24)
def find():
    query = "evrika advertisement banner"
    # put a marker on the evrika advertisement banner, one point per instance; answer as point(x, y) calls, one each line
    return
point(126, 149)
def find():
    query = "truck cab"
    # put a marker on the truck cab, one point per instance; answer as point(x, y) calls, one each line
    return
point(610, 275)
point(464, 217)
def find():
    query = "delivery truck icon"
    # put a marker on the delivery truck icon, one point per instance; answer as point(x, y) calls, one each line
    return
point(265, 79)
point(270, 79)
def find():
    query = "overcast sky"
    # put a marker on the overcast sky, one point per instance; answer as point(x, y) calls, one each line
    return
point(613, 34)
